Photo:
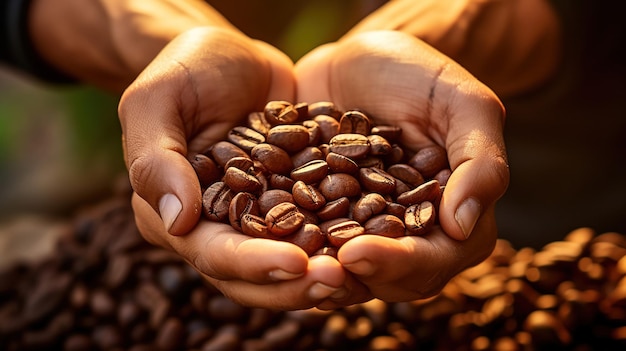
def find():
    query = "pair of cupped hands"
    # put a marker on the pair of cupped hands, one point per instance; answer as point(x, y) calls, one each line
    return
point(207, 80)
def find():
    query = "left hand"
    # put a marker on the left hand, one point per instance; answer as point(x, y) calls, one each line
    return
point(398, 79)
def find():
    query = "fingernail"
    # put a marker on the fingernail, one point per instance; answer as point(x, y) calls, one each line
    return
point(467, 214)
point(279, 274)
point(321, 291)
point(169, 208)
point(362, 267)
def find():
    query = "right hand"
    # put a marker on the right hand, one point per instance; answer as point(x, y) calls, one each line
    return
point(200, 86)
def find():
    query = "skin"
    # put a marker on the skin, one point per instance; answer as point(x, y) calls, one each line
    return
point(188, 76)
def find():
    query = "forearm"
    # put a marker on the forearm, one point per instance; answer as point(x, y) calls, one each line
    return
point(108, 42)
point(512, 46)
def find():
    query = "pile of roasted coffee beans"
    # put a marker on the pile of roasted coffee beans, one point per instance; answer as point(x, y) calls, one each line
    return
point(317, 177)
point(105, 288)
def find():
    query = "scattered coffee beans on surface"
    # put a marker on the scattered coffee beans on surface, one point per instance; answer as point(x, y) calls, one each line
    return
point(302, 165)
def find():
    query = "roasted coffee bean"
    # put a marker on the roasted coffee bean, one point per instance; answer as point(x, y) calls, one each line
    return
point(337, 185)
point(385, 225)
point(395, 209)
point(354, 146)
point(303, 110)
point(311, 172)
point(245, 138)
point(341, 164)
point(443, 176)
point(257, 121)
point(407, 174)
point(329, 127)
point(279, 181)
point(307, 196)
point(309, 238)
point(273, 197)
point(379, 146)
point(368, 206)
point(391, 133)
point(371, 162)
point(254, 226)
point(241, 204)
point(327, 250)
point(354, 122)
point(341, 233)
point(284, 219)
point(223, 151)
point(291, 138)
point(243, 163)
point(420, 218)
point(280, 112)
point(429, 191)
point(273, 158)
point(335, 209)
point(401, 188)
point(395, 156)
point(215, 201)
point(327, 108)
point(430, 160)
point(238, 181)
point(377, 180)
point(205, 169)
point(308, 154)
point(315, 133)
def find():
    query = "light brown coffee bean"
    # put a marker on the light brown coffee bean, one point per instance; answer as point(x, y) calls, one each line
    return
point(329, 127)
point(428, 191)
point(205, 169)
point(215, 201)
point(341, 164)
point(223, 151)
point(255, 226)
point(379, 146)
point(407, 174)
point(430, 160)
point(385, 225)
point(308, 154)
point(354, 122)
point(311, 172)
point(341, 233)
point(327, 108)
point(280, 112)
point(335, 209)
point(273, 197)
point(337, 185)
point(273, 158)
point(391, 133)
point(241, 204)
point(377, 180)
point(284, 219)
point(315, 133)
point(240, 181)
point(354, 146)
point(257, 121)
point(419, 218)
point(309, 238)
point(307, 196)
point(279, 181)
point(243, 163)
point(291, 138)
point(245, 138)
point(368, 206)
point(303, 110)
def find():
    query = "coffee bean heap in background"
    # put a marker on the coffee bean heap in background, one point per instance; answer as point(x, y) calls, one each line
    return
point(105, 288)
point(318, 177)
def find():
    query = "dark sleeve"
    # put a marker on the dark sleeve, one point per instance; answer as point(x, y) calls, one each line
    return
point(16, 48)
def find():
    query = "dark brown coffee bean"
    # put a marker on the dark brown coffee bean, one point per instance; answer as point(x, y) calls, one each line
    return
point(341, 233)
point(430, 160)
point(273, 158)
point(118, 270)
point(205, 169)
point(327, 250)
point(315, 133)
point(279, 181)
point(354, 146)
point(284, 219)
point(329, 127)
point(354, 122)
point(309, 238)
point(291, 138)
point(371, 162)
point(341, 164)
point(311, 172)
point(385, 225)
point(419, 218)
point(377, 180)
point(215, 201)
point(335, 209)
point(273, 197)
point(307, 196)
point(368, 206)
point(429, 191)
point(407, 174)
point(327, 108)
point(337, 185)
point(255, 226)
point(325, 225)
point(443, 176)
point(240, 181)
point(107, 337)
point(280, 112)
point(391, 133)
point(379, 146)
point(303, 110)
point(241, 204)
point(395, 209)
point(396, 155)
point(401, 188)
point(170, 335)
point(257, 121)
point(78, 342)
point(102, 304)
point(243, 163)
point(223, 151)
point(308, 154)
point(245, 138)
point(128, 313)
